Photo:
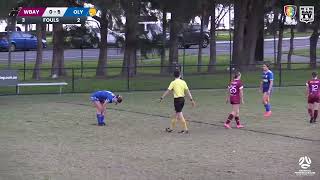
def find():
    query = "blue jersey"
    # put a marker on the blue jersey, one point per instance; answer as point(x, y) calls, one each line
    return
point(267, 77)
point(103, 96)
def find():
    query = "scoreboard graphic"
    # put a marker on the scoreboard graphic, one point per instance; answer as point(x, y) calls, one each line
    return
point(51, 15)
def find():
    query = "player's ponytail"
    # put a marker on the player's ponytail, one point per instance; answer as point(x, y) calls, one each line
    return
point(119, 98)
point(236, 75)
point(314, 74)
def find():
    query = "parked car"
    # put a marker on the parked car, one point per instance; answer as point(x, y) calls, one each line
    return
point(190, 35)
point(90, 37)
point(19, 40)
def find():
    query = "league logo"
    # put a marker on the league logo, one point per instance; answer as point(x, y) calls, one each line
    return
point(306, 14)
point(305, 163)
point(290, 10)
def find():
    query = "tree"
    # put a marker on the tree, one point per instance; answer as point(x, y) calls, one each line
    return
point(109, 9)
point(292, 38)
point(214, 24)
point(58, 51)
point(132, 9)
point(248, 26)
point(291, 47)
point(203, 11)
point(281, 29)
point(213, 47)
point(39, 34)
point(315, 35)
point(36, 70)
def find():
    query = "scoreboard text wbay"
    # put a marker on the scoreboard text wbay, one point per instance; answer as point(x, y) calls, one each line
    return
point(50, 15)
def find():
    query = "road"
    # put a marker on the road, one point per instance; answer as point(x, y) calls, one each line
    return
point(115, 53)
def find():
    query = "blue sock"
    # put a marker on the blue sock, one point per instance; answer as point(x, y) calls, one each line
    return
point(268, 107)
point(99, 118)
point(102, 119)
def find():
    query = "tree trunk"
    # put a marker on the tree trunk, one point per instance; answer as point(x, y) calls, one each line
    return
point(130, 57)
point(274, 25)
point(313, 44)
point(173, 44)
point(200, 41)
point(12, 22)
point(239, 29)
point(213, 47)
point(281, 28)
point(164, 40)
point(36, 70)
point(291, 47)
point(246, 31)
point(58, 51)
point(101, 70)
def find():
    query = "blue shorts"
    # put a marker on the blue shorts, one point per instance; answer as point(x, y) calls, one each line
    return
point(95, 99)
point(265, 90)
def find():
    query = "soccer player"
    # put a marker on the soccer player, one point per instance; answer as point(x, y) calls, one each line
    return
point(235, 95)
point(266, 88)
point(313, 95)
point(100, 99)
point(178, 87)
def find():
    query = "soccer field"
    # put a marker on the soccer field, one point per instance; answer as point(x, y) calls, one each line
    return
point(54, 137)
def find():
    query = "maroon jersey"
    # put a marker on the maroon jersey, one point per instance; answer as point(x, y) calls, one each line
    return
point(314, 90)
point(234, 90)
point(314, 86)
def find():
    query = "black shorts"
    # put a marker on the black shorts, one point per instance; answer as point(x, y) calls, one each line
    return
point(178, 104)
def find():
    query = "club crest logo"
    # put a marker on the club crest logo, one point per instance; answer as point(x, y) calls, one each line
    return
point(290, 10)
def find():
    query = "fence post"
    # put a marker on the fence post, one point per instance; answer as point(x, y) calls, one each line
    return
point(81, 61)
point(280, 75)
point(128, 79)
point(24, 65)
point(72, 80)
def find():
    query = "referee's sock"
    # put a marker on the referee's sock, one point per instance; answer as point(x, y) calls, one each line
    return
point(173, 123)
point(184, 124)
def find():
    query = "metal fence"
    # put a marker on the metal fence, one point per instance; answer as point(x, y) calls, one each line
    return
point(148, 78)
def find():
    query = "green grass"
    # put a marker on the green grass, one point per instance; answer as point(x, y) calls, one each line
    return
point(224, 36)
point(55, 137)
point(148, 76)
point(287, 34)
point(303, 52)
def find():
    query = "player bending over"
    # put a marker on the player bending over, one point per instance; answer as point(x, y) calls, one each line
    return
point(100, 99)
point(179, 87)
point(235, 95)
point(313, 95)
point(266, 88)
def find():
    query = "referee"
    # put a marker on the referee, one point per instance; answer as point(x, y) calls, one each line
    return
point(179, 87)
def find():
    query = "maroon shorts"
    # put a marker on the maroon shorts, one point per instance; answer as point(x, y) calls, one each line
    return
point(234, 100)
point(313, 99)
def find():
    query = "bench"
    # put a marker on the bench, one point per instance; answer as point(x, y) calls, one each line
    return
point(42, 84)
